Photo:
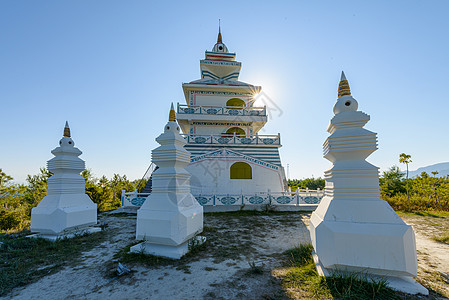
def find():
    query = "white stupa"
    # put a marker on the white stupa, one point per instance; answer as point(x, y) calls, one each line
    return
point(170, 216)
point(353, 229)
point(66, 209)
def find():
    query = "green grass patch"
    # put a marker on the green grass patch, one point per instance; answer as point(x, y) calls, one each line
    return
point(426, 213)
point(24, 260)
point(357, 286)
point(302, 280)
point(442, 239)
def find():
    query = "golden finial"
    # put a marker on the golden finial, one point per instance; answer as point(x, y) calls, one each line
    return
point(172, 115)
point(343, 87)
point(67, 129)
point(219, 40)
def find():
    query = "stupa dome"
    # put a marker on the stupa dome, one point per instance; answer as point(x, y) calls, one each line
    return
point(220, 47)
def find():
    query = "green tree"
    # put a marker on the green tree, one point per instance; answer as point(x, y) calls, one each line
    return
point(5, 184)
point(307, 183)
point(107, 193)
point(391, 183)
point(12, 210)
point(93, 190)
point(436, 184)
point(36, 189)
point(406, 159)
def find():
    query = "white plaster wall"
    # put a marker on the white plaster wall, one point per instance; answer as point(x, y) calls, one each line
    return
point(212, 176)
point(216, 100)
point(216, 130)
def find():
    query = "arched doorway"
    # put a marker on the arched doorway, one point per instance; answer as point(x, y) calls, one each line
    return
point(239, 132)
point(241, 170)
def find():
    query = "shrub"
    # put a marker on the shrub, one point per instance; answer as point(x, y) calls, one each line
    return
point(9, 219)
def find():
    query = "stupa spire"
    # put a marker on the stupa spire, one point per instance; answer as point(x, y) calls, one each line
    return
point(343, 87)
point(219, 39)
point(172, 115)
point(66, 129)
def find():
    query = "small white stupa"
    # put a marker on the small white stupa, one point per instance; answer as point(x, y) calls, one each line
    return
point(353, 229)
point(66, 209)
point(170, 216)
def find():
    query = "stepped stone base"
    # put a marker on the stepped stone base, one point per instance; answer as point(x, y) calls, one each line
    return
point(173, 252)
point(59, 213)
point(403, 284)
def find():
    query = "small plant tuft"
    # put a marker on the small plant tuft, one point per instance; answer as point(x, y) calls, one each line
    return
point(300, 256)
point(442, 239)
point(196, 245)
point(184, 268)
point(269, 207)
point(254, 268)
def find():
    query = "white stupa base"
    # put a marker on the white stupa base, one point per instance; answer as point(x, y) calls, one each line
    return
point(66, 235)
point(173, 252)
point(58, 213)
point(378, 248)
point(403, 284)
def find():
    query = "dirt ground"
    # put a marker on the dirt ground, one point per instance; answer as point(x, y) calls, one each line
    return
point(238, 248)
point(433, 257)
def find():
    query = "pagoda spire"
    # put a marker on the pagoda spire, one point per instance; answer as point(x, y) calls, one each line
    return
point(172, 115)
point(66, 129)
point(219, 39)
point(343, 87)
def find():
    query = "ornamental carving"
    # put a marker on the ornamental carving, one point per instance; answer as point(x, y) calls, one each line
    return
point(228, 200)
point(283, 200)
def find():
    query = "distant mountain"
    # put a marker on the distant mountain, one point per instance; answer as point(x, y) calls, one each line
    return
point(441, 168)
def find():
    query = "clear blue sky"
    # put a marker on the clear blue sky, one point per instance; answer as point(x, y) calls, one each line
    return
point(111, 68)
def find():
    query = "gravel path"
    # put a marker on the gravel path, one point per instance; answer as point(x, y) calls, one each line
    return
point(433, 257)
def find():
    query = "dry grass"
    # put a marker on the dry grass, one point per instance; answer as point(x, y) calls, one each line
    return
point(24, 260)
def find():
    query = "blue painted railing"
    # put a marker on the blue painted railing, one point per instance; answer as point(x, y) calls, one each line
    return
point(300, 197)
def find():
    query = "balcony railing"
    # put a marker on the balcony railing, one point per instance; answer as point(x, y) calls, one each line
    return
point(300, 198)
point(222, 110)
point(227, 139)
point(309, 198)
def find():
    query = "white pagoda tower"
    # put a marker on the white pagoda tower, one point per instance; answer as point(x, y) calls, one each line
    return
point(66, 209)
point(221, 126)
